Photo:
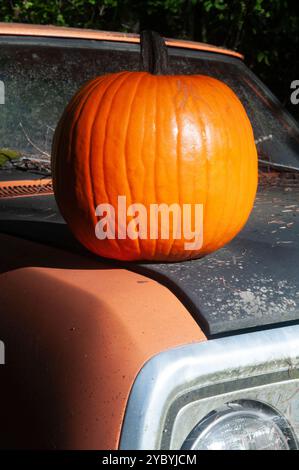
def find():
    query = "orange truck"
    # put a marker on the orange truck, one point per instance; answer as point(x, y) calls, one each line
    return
point(100, 354)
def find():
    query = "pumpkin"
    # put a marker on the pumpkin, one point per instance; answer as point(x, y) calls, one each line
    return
point(153, 138)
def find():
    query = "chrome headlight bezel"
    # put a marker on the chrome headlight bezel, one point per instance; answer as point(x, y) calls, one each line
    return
point(177, 388)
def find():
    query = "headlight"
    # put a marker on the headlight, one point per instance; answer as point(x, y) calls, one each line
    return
point(242, 425)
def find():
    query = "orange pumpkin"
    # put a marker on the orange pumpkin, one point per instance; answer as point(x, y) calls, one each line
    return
point(155, 139)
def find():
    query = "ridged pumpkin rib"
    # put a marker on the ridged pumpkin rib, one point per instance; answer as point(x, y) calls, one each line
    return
point(188, 111)
point(178, 156)
point(155, 242)
point(179, 185)
point(238, 186)
point(144, 247)
point(103, 111)
point(66, 138)
point(151, 118)
point(226, 203)
point(176, 103)
point(77, 104)
point(101, 155)
point(172, 112)
point(213, 147)
point(201, 164)
point(59, 131)
point(126, 158)
point(106, 104)
point(224, 213)
point(220, 225)
point(89, 130)
point(79, 186)
point(120, 155)
point(225, 216)
point(84, 172)
point(203, 151)
point(237, 191)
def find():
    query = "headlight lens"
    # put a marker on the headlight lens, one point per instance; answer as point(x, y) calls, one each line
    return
point(242, 425)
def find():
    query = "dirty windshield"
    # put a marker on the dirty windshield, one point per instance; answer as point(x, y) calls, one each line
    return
point(38, 77)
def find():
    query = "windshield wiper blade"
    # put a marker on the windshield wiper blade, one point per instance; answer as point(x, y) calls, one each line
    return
point(278, 166)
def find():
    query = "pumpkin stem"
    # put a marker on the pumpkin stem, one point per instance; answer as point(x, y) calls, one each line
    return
point(154, 54)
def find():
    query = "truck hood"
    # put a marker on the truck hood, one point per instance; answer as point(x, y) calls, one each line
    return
point(252, 282)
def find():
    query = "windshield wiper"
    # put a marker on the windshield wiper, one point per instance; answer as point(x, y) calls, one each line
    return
point(278, 166)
